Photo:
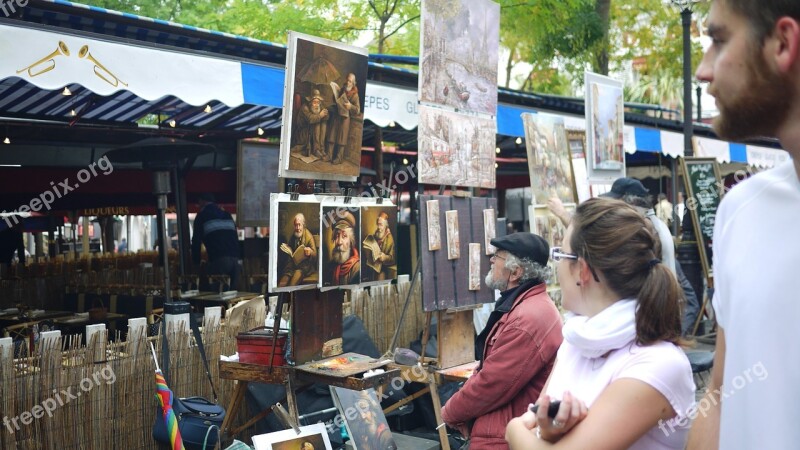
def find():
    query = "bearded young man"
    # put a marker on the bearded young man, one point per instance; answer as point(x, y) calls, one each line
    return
point(753, 71)
point(516, 349)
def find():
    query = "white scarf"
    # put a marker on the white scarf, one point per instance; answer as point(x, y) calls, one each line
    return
point(610, 329)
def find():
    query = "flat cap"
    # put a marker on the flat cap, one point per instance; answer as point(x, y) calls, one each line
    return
point(626, 186)
point(344, 219)
point(524, 245)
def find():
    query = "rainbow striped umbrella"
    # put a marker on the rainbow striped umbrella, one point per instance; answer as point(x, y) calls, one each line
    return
point(164, 395)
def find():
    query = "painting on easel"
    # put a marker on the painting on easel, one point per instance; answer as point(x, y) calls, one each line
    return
point(340, 264)
point(312, 437)
point(378, 251)
point(366, 424)
point(294, 243)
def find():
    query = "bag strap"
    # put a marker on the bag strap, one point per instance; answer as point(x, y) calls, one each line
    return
point(201, 348)
point(164, 351)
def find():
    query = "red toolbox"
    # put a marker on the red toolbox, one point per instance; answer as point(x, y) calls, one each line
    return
point(255, 346)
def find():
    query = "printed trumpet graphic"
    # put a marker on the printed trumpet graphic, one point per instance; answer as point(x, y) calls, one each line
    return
point(99, 69)
point(47, 63)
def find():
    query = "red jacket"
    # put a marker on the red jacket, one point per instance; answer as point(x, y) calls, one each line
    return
point(519, 354)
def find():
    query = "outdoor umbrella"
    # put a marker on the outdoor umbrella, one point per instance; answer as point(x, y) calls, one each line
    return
point(164, 395)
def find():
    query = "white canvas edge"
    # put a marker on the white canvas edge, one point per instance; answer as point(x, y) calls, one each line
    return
point(265, 441)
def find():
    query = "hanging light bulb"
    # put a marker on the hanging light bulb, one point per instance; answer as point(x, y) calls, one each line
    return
point(497, 150)
point(172, 123)
point(208, 109)
point(6, 140)
point(405, 161)
point(519, 140)
point(496, 165)
point(391, 123)
point(66, 91)
point(73, 113)
point(260, 131)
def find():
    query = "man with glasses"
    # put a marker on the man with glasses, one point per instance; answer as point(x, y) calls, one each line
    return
point(516, 349)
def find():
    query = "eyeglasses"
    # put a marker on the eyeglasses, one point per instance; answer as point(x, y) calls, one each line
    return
point(557, 255)
point(496, 256)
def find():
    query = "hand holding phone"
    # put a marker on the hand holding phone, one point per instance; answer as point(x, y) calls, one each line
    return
point(552, 410)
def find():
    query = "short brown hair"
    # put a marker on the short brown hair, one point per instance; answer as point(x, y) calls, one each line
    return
point(617, 241)
point(762, 14)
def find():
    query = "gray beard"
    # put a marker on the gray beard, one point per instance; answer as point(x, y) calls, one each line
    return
point(298, 234)
point(316, 109)
point(340, 256)
point(491, 283)
point(379, 235)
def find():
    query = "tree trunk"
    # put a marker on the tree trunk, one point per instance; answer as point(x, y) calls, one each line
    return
point(377, 163)
point(603, 10)
point(509, 66)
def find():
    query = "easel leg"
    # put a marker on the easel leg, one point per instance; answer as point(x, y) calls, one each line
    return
point(233, 407)
point(437, 410)
point(426, 335)
point(291, 400)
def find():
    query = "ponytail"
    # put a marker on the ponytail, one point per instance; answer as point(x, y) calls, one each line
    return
point(658, 317)
point(616, 240)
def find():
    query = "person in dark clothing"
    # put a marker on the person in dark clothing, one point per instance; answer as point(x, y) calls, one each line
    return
point(215, 228)
point(11, 241)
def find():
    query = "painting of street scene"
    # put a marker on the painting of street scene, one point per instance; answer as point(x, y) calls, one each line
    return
point(605, 122)
point(549, 161)
point(459, 53)
point(324, 109)
point(455, 149)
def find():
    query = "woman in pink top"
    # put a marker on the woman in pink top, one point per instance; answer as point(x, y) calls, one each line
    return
point(621, 377)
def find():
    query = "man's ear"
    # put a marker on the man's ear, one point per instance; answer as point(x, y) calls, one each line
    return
point(784, 44)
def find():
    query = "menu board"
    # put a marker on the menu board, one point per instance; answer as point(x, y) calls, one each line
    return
point(257, 178)
point(703, 195)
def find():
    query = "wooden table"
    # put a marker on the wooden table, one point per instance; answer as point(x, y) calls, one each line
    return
point(205, 299)
point(294, 378)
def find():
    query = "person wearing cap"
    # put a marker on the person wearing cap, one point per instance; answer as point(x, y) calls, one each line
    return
point(386, 258)
point(344, 265)
point(214, 228)
point(517, 348)
point(312, 127)
point(622, 380)
point(633, 192)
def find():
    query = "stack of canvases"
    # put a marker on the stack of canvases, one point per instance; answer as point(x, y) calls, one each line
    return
point(331, 242)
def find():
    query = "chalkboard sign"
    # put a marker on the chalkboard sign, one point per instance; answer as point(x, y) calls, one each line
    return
point(703, 194)
point(257, 177)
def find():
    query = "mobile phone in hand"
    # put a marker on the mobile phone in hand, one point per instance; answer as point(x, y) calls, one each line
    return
point(552, 410)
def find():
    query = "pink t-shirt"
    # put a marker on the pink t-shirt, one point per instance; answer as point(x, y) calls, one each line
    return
point(663, 366)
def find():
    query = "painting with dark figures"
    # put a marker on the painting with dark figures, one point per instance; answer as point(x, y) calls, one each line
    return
point(366, 424)
point(324, 109)
point(378, 251)
point(341, 259)
point(294, 243)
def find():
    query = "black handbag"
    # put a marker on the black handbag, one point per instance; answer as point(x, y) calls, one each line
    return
point(197, 417)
